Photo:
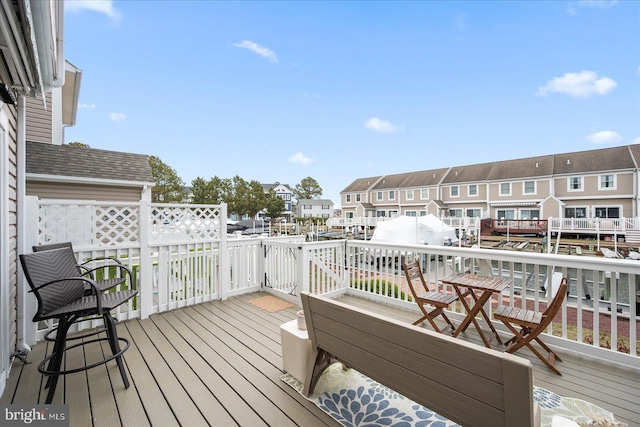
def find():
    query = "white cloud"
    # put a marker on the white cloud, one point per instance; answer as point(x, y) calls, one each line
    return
point(636, 141)
point(101, 6)
point(604, 137)
point(260, 50)
point(379, 125)
point(84, 106)
point(578, 85)
point(118, 117)
point(300, 158)
point(599, 4)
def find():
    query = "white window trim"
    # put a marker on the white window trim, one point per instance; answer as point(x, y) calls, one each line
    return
point(500, 189)
point(450, 192)
point(620, 209)
point(469, 192)
point(572, 190)
point(535, 187)
point(615, 182)
point(422, 195)
point(407, 192)
point(394, 194)
point(379, 196)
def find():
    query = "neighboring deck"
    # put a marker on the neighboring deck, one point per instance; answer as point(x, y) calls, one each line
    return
point(220, 364)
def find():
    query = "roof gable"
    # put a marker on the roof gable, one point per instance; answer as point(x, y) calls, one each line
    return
point(91, 163)
point(605, 159)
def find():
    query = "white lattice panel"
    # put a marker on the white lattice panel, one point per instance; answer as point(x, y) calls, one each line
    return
point(88, 224)
point(117, 225)
point(184, 223)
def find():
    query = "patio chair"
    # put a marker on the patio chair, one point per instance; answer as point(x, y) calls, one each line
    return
point(85, 268)
point(423, 296)
point(531, 324)
point(61, 294)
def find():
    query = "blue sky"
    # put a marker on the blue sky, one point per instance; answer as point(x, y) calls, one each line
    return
point(340, 90)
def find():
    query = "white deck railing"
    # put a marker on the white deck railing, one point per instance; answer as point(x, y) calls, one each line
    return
point(180, 257)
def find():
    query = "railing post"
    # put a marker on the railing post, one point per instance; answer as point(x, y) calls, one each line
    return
point(225, 274)
point(145, 286)
point(303, 268)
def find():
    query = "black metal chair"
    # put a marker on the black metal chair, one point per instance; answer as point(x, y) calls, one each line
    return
point(85, 268)
point(61, 294)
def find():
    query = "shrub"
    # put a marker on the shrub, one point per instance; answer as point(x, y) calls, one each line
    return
point(376, 286)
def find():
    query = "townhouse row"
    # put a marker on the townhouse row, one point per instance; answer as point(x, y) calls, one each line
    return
point(599, 183)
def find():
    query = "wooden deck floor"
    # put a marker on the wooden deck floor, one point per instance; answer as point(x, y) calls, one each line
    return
point(220, 363)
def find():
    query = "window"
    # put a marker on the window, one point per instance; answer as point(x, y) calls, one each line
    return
point(456, 213)
point(379, 195)
point(392, 195)
point(474, 213)
point(409, 194)
point(357, 197)
point(605, 212)
point(607, 182)
point(529, 187)
point(473, 189)
point(325, 215)
point(424, 193)
point(381, 214)
point(348, 198)
point(349, 215)
point(326, 207)
point(530, 213)
point(454, 191)
point(505, 189)
point(306, 207)
point(306, 216)
point(411, 213)
point(423, 213)
point(575, 212)
point(506, 214)
point(575, 184)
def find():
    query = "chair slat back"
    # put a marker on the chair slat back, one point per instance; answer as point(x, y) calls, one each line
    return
point(551, 311)
point(413, 273)
point(46, 266)
point(49, 246)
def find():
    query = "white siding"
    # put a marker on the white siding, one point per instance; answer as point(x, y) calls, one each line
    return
point(50, 190)
point(38, 120)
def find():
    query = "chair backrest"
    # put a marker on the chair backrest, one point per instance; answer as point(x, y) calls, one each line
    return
point(50, 246)
point(556, 303)
point(412, 272)
point(46, 266)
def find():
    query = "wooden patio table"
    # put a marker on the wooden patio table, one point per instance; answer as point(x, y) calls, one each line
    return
point(480, 288)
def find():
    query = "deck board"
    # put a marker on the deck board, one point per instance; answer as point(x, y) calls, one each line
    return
point(220, 363)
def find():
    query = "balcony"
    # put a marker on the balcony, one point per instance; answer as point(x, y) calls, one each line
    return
point(201, 354)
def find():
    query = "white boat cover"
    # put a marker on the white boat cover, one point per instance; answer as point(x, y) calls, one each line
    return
point(421, 230)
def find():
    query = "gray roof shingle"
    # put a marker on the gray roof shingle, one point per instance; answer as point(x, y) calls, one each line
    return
point(65, 160)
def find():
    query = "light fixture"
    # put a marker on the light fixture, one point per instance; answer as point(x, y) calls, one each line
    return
point(5, 95)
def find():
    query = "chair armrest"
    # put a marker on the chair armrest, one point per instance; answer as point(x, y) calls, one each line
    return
point(119, 266)
point(117, 261)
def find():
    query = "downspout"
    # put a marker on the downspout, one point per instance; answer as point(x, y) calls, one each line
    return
point(50, 43)
point(636, 186)
point(21, 160)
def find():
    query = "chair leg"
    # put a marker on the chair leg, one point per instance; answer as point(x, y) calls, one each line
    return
point(56, 361)
point(110, 323)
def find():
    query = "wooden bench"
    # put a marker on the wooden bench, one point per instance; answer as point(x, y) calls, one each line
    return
point(464, 382)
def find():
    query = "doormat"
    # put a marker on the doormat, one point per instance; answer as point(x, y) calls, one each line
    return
point(355, 400)
point(270, 304)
